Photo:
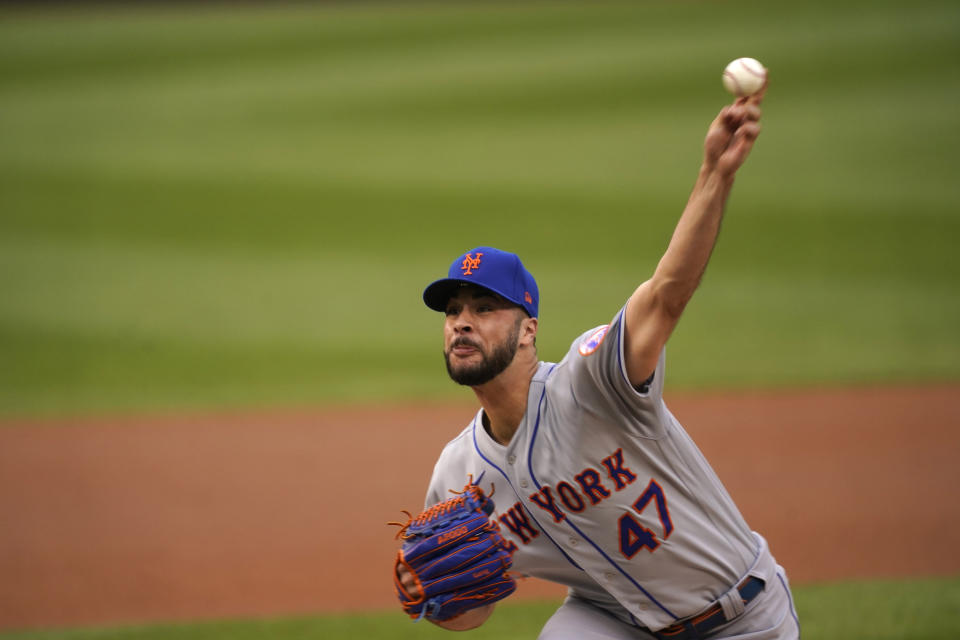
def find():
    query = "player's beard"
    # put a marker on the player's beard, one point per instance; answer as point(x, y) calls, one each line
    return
point(490, 366)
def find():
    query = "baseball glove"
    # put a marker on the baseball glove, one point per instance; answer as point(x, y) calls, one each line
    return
point(457, 557)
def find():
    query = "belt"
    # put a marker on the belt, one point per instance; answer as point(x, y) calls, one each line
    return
point(698, 626)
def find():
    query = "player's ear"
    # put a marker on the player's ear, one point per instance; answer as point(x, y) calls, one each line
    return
point(528, 330)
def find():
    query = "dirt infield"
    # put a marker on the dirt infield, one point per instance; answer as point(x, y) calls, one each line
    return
point(146, 519)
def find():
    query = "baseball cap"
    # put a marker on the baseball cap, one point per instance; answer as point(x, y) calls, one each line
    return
point(496, 270)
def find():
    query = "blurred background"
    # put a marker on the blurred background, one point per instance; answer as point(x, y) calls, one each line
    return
point(205, 205)
point(208, 208)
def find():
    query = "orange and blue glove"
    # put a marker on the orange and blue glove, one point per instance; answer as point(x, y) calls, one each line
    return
point(457, 556)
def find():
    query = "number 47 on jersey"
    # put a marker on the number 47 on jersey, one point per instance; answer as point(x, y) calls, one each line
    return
point(633, 535)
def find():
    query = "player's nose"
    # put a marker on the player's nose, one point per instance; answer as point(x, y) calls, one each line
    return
point(463, 322)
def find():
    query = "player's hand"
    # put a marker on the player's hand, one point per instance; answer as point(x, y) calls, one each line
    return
point(407, 580)
point(732, 134)
point(464, 622)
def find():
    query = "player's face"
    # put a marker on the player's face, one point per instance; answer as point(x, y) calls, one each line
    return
point(481, 334)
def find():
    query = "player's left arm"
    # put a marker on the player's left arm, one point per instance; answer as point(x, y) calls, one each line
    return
point(655, 307)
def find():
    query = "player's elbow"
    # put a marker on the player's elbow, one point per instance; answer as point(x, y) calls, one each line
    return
point(668, 296)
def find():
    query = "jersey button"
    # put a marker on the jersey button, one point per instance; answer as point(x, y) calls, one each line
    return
point(524, 483)
point(573, 542)
point(609, 575)
point(511, 459)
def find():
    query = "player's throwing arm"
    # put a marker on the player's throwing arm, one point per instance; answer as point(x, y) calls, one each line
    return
point(655, 308)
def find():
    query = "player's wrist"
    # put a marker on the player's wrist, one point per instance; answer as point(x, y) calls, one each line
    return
point(714, 179)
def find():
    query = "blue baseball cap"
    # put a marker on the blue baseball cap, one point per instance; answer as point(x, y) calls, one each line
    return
point(493, 269)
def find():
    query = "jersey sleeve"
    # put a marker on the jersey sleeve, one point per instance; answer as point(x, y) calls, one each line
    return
point(433, 491)
point(454, 467)
point(597, 374)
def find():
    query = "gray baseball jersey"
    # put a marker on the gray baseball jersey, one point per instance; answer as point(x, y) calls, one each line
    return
point(602, 490)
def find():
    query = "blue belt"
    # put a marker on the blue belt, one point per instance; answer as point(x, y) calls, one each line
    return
point(700, 625)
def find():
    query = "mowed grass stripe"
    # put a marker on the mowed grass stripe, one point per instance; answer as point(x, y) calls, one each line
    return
point(276, 184)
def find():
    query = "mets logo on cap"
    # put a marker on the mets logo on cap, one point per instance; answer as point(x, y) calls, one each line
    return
point(592, 342)
point(470, 263)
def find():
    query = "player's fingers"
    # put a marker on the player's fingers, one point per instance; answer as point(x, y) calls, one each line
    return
point(743, 141)
point(737, 114)
point(407, 580)
point(751, 112)
point(721, 119)
point(732, 117)
point(757, 98)
point(748, 131)
point(719, 133)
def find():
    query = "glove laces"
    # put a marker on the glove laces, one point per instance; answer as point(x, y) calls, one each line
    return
point(441, 508)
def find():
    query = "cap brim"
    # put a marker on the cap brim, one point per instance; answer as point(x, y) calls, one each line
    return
point(438, 293)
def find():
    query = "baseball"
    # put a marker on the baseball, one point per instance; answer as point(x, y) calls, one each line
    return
point(744, 77)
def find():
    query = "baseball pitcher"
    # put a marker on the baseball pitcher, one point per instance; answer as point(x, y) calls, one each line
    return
point(576, 472)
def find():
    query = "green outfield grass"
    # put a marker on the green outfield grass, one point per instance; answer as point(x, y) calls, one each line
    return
point(884, 610)
point(220, 206)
